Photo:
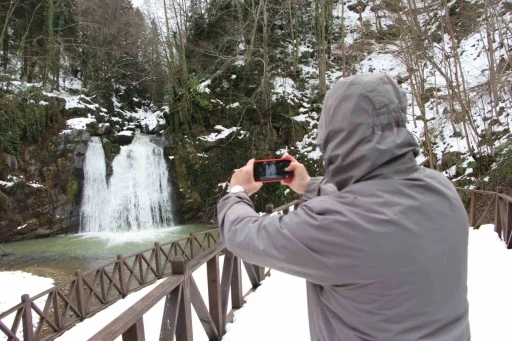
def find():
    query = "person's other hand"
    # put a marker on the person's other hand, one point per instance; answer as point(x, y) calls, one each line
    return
point(244, 177)
point(301, 177)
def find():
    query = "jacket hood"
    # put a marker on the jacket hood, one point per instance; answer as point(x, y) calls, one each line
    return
point(362, 132)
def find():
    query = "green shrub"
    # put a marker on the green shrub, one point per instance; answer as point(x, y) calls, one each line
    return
point(22, 118)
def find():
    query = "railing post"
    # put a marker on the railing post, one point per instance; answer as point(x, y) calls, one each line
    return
point(214, 298)
point(473, 210)
point(497, 215)
point(286, 211)
point(237, 297)
point(28, 328)
point(135, 332)
point(260, 272)
point(269, 209)
point(225, 283)
point(192, 244)
point(120, 270)
point(184, 323)
point(158, 259)
point(80, 294)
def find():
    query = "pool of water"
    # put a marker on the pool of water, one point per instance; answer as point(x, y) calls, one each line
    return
point(86, 251)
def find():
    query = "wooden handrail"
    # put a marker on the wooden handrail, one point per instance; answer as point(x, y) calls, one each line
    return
point(132, 315)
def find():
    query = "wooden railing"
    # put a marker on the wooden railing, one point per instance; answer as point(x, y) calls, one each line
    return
point(181, 293)
point(58, 309)
point(487, 207)
point(68, 303)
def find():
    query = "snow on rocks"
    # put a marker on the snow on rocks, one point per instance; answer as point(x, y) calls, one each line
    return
point(285, 87)
point(203, 87)
point(224, 132)
point(74, 101)
point(147, 117)
point(35, 184)
point(21, 227)
point(11, 181)
point(125, 137)
point(80, 122)
point(233, 105)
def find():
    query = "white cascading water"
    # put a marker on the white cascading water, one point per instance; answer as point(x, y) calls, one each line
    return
point(95, 193)
point(138, 194)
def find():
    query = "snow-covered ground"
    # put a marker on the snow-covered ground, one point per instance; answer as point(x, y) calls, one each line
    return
point(279, 306)
point(13, 285)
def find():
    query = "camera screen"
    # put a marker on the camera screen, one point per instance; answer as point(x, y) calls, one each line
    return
point(271, 170)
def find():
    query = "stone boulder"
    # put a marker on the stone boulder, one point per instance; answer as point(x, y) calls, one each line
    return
point(104, 129)
point(125, 137)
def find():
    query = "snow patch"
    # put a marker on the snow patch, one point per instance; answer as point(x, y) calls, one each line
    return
point(80, 122)
point(35, 184)
point(11, 181)
point(203, 87)
point(14, 285)
point(126, 133)
point(224, 132)
point(147, 117)
point(233, 105)
point(285, 87)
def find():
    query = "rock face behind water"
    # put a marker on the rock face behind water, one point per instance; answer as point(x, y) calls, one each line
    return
point(45, 198)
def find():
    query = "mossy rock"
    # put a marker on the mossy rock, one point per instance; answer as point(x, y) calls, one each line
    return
point(450, 159)
point(73, 191)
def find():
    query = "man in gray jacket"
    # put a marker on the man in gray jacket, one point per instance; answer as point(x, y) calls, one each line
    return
point(381, 242)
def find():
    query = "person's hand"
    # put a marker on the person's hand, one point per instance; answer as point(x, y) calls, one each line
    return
point(244, 177)
point(301, 177)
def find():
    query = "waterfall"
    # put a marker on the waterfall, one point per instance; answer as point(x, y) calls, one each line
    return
point(138, 194)
point(95, 194)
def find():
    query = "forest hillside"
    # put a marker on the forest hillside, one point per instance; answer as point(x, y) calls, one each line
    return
point(221, 82)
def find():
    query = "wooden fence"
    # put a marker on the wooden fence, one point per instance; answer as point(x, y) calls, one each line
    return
point(487, 207)
point(49, 314)
point(181, 293)
point(68, 303)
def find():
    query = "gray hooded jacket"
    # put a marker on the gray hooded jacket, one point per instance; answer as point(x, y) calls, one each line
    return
point(381, 242)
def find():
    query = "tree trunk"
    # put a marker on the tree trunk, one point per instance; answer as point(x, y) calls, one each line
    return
point(296, 56)
point(343, 45)
point(493, 80)
point(293, 36)
point(322, 63)
point(5, 59)
point(266, 85)
point(256, 15)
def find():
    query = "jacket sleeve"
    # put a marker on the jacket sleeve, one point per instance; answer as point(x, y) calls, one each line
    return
point(319, 186)
point(283, 242)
